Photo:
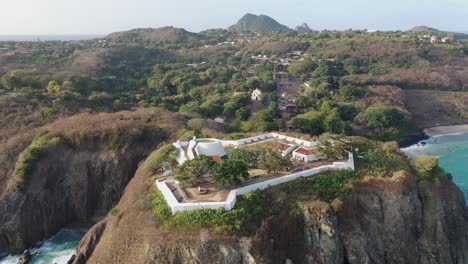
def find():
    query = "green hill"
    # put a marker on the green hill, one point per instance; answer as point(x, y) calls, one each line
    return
point(254, 23)
point(433, 31)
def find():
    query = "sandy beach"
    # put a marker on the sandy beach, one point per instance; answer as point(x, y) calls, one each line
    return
point(444, 130)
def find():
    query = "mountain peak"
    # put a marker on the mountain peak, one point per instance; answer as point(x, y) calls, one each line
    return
point(257, 23)
point(303, 27)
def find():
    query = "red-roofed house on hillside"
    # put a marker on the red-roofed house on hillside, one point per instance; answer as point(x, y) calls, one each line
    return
point(307, 155)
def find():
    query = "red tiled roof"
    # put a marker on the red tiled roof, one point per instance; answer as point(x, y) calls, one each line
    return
point(305, 151)
point(217, 158)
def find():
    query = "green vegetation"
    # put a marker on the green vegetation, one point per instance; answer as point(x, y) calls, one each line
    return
point(325, 187)
point(241, 154)
point(243, 219)
point(191, 171)
point(29, 158)
point(155, 161)
point(254, 23)
point(114, 212)
point(427, 167)
point(271, 161)
point(229, 171)
point(372, 158)
point(212, 73)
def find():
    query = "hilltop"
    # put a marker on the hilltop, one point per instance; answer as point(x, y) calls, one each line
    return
point(254, 23)
point(165, 34)
point(303, 28)
point(434, 31)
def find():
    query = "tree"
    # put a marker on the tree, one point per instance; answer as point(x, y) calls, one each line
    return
point(229, 172)
point(383, 117)
point(191, 171)
point(243, 113)
point(271, 161)
point(333, 123)
point(211, 107)
point(53, 87)
point(351, 92)
point(197, 124)
point(310, 122)
point(242, 155)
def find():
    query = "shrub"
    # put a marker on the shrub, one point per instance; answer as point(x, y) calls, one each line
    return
point(29, 157)
point(154, 162)
point(159, 205)
point(114, 211)
point(337, 205)
point(425, 165)
point(244, 218)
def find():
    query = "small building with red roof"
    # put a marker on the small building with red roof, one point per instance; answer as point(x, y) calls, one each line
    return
point(307, 154)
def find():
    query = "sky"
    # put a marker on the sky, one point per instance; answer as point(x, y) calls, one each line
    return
point(64, 17)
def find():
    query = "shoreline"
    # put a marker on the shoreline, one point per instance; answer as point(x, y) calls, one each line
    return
point(446, 130)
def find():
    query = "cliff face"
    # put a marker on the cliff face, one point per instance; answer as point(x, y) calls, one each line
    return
point(80, 179)
point(393, 220)
point(69, 185)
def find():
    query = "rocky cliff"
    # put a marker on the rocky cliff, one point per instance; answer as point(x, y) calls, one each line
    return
point(81, 178)
point(385, 220)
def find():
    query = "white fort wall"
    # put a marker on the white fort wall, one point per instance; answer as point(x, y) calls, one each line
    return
point(195, 146)
point(231, 200)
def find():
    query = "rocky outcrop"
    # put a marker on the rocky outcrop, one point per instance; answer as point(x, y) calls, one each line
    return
point(385, 220)
point(71, 184)
point(322, 243)
point(88, 243)
point(25, 258)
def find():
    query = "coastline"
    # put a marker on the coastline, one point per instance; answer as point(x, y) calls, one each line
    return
point(445, 130)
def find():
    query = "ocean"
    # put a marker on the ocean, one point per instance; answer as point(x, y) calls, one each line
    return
point(58, 249)
point(48, 37)
point(452, 151)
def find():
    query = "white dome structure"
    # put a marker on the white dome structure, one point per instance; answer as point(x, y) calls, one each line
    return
point(210, 148)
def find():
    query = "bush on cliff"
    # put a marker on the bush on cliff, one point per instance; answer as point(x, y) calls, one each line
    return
point(426, 166)
point(30, 156)
point(158, 157)
point(249, 210)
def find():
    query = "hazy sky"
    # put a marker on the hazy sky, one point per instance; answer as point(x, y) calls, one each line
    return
point(104, 16)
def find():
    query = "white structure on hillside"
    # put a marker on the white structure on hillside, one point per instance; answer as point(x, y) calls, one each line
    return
point(445, 40)
point(307, 155)
point(220, 119)
point(210, 148)
point(256, 95)
point(229, 203)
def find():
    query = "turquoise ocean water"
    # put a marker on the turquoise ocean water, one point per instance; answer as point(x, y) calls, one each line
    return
point(58, 249)
point(452, 151)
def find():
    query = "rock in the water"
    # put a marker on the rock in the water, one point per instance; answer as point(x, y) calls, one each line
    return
point(71, 260)
point(25, 257)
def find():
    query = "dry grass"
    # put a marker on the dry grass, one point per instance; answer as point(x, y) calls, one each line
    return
point(435, 108)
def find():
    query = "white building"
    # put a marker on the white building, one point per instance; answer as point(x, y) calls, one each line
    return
point(307, 155)
point(256, 95)
point(210, 148)
point(445, 40)
point(220, 119)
